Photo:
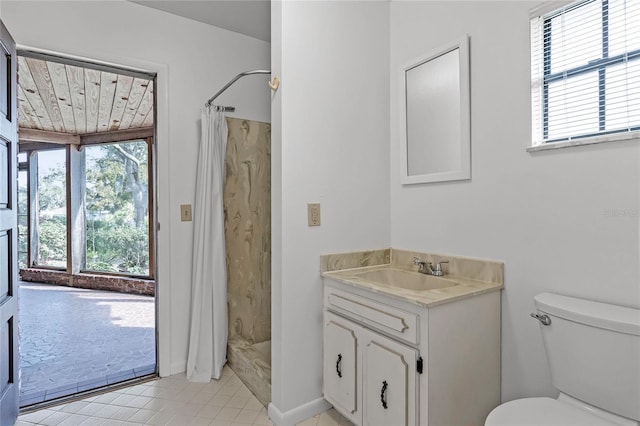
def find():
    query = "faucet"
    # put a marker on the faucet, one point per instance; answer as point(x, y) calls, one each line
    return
point(428, 268)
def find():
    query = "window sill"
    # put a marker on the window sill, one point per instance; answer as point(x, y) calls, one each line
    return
point(586, 141)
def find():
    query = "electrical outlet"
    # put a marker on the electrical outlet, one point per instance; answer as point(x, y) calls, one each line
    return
point(313, 214)
point(185, 212)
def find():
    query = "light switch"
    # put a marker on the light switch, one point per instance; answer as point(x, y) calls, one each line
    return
point(313, 214)
point(185, 212)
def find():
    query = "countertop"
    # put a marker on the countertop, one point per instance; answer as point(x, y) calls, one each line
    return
point(428, 298)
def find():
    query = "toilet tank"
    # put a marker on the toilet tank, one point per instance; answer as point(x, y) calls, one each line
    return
point(593, 351)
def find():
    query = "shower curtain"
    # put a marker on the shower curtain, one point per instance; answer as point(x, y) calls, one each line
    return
point(208, 327)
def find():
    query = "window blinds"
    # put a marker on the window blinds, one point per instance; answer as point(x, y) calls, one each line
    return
point(585, 71)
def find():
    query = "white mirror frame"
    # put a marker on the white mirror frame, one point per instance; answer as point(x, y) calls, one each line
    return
point(464, 170)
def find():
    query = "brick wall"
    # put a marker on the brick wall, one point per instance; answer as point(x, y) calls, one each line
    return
point(90, 281)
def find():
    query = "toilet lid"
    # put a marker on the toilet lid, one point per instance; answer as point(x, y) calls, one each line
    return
point(542, 412)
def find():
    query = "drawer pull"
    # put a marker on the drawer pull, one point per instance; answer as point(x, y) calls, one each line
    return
point(339, 366)
point(383, 394)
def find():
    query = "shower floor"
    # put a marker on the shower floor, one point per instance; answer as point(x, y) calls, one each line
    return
point(252, 364)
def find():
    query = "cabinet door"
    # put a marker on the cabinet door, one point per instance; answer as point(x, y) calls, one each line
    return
point(389, 383)
point(340, 365)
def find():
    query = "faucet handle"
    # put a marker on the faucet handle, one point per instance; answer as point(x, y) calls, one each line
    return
point(422, 265)
point(438, 267)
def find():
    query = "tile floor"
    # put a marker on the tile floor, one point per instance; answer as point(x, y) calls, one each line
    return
point(170, 401)
point(72, 339)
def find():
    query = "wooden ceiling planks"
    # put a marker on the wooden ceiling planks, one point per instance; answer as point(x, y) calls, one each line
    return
point(108, 82)
point(148, 121)
point(92, 98)
point(75, 78)
point(138, 89)
point(146, 105)
point(120, 100)
point(70, 99)
point(32, 95)
point(26, 112)
point(42, 80)
point(58, 75)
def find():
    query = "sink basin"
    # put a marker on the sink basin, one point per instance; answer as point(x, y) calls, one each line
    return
point(405, 279)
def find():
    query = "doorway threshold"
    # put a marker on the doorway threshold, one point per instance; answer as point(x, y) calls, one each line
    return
point(65, 399)
point(86, 385)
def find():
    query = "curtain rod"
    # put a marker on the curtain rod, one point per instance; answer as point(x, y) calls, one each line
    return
point(236, 78)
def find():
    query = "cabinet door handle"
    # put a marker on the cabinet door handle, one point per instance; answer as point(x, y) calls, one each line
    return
point(339, 366)
point(383, 394)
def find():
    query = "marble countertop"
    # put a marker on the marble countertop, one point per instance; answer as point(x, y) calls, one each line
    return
point(425, 298)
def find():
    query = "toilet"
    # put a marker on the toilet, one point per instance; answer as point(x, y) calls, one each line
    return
point(593, 351)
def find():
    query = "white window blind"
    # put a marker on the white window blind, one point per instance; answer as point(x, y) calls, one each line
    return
point(585, 71)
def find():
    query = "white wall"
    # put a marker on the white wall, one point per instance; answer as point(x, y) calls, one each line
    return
point(544, 214)
point(330, 145)
point(193, 61)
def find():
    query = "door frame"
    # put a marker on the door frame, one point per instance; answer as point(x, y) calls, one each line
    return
point(160, 179)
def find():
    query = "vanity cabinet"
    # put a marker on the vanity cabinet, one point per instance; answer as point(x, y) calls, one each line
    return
point(369, 378)
point(389, 361)
point(388, 382)
point(341, 363)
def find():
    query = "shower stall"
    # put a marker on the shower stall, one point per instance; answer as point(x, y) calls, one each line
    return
point(247, 224)
point(231, 304)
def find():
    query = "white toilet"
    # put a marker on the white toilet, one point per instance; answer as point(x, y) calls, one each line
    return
point(593, 350)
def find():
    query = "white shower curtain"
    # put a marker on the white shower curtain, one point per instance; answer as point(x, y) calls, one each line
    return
point(208, 328)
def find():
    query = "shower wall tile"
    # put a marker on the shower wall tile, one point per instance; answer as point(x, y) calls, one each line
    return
point(247, 208)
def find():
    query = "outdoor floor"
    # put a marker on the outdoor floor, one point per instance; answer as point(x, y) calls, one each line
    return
point(74, 339)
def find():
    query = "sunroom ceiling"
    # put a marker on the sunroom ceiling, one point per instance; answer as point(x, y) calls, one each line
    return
point(73, 100)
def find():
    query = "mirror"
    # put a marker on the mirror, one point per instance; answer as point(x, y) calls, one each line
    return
point(436, 135)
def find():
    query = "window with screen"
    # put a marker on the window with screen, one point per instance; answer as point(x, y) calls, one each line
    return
point(585, 72)
point(117, 208)
point(51, 207)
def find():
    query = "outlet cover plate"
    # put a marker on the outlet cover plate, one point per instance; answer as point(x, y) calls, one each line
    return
point(313, 214)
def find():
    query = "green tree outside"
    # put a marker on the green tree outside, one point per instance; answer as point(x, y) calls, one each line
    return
point(116, 210)
point(52, 204)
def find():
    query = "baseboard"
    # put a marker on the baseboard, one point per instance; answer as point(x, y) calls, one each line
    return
point(298, 414)
point(178, 367)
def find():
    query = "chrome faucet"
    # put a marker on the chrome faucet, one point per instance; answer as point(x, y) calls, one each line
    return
point(428, 268)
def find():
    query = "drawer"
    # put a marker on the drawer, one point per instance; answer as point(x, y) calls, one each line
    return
point(377, 315)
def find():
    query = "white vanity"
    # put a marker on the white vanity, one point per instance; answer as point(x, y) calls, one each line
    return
point(403, 348)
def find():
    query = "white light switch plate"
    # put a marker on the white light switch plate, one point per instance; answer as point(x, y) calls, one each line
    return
point(185, 212)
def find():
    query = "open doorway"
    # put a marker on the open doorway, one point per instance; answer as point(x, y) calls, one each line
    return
point(86, 235)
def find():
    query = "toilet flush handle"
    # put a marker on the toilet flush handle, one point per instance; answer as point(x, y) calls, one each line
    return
point(544, 319)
